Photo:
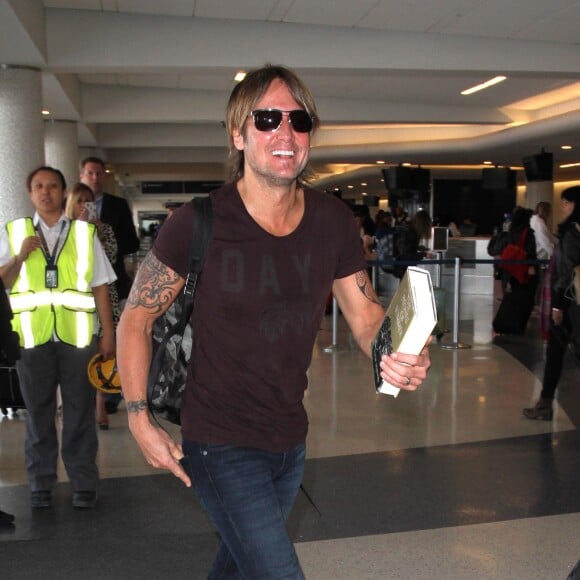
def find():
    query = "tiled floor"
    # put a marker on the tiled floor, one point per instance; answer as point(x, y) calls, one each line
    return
point(450, 482)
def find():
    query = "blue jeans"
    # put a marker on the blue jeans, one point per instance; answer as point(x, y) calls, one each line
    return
point(248, 494)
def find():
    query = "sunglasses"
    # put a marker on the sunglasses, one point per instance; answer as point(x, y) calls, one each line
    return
point(271, 119)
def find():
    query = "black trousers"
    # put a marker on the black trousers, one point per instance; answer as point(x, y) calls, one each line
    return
point(41, 370)
point(557, 345)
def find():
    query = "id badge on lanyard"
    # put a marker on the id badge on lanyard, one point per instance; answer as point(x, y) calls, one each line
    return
point(51, 276)
point(51, 270)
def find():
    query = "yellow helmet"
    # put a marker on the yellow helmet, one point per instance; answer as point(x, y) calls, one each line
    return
point(103, 375)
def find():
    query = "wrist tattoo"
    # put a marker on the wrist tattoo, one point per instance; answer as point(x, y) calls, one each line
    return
point(136, 406)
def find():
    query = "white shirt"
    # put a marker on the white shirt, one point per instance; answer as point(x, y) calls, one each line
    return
point(545, 240)
point(103, 272)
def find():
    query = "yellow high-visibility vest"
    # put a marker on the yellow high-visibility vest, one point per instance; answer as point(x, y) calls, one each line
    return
point(67, 310)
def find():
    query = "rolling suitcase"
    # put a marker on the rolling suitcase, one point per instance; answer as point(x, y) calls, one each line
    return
point(440, 298)
point(515, 309)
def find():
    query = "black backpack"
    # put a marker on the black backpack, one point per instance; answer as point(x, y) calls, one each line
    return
point(172, 334)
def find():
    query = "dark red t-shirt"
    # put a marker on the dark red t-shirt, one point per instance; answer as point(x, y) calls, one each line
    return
point(258, 306)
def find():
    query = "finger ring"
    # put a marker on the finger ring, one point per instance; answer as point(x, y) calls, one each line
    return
point(408, 380)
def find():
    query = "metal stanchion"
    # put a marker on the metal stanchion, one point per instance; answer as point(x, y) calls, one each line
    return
point(456, 344)
point(333, 347)
point(440, 256)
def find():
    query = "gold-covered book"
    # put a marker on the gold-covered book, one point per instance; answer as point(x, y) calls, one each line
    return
point(408, 323)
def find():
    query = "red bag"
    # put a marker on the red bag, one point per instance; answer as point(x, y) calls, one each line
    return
point(516, 252)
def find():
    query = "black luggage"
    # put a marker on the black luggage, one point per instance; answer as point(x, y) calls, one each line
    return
point(515, 309)
point(10, 395)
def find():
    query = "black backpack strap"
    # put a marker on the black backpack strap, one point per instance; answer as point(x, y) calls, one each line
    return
point(202, 224)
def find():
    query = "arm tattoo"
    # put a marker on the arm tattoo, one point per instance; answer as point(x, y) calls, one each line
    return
point(364, 286)
point(136, 406)
point(153, 286)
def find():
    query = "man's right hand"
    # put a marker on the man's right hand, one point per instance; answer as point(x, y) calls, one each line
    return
point(29, 244)
point(159, 449)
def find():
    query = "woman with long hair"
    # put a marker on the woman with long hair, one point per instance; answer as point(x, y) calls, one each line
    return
point(567, 255)
point(76, 208)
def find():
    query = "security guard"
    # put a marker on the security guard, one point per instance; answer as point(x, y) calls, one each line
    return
point(58, 274)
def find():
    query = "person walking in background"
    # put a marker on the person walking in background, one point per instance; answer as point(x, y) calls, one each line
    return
point(77, 208)
point(408, 240)
point(567, 256)
point(519, 296)
point(385, 241)
point(401, 216)
point(278, 247)
point(58, 274)
point(545, 239)
point(367, 230)
point(115, 211)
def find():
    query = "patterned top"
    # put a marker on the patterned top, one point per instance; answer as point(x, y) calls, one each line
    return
point(109, 243)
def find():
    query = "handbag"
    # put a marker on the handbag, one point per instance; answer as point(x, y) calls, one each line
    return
point(172, 334)
point(514, 252)
point(497, 244)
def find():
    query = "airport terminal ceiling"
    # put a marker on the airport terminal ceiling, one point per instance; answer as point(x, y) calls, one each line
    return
point(147, 82)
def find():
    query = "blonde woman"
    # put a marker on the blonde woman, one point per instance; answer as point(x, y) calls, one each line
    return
point(78, 207)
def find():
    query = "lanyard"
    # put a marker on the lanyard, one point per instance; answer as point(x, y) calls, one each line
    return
point(50, 258)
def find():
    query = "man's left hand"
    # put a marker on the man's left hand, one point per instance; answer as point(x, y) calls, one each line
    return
point(406, 371)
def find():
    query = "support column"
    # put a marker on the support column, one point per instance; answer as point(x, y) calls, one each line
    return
point(61, 148)
point(537, 191)
point(21, 137)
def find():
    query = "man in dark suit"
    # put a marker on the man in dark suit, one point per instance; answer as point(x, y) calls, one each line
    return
point(115, 211)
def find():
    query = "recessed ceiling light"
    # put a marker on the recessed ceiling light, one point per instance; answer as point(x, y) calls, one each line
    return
point(380, 162)
point(566, 147)
point(567, 165)
point(45, 112)
point(484, 85)
point(488, 162)
point(240, 76)
point(364, 183)
point(350, 186)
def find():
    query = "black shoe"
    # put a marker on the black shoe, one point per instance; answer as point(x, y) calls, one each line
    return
point(41, 499)
point(6, 518)
point(84, 500)
point(541, 411)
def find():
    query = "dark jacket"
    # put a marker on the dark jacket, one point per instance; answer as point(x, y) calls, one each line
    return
point(407, 249)
point(115, 211)
point(567, 256)
point(9, 346)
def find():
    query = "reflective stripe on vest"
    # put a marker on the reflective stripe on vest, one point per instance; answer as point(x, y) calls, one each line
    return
point(67, 310)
